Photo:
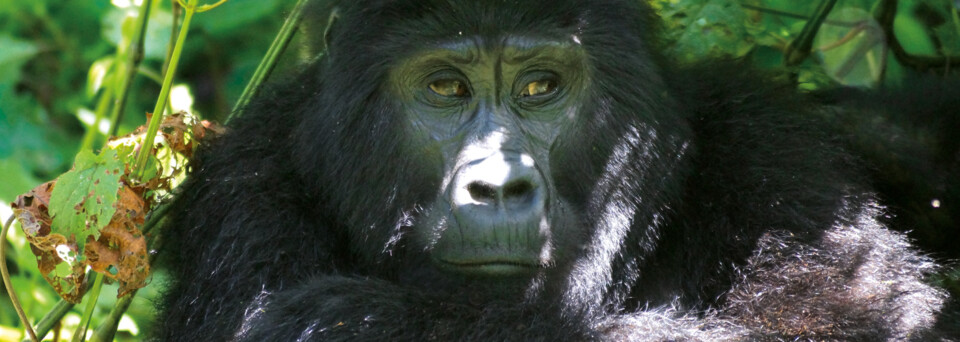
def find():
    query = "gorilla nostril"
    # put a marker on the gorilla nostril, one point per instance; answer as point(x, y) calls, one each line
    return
point(482, 192)
point(517, 189)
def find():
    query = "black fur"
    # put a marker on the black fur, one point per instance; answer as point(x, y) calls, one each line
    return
point(707, 203)
point(907, 137)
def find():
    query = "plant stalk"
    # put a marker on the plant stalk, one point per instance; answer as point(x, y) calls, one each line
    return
point(159, 109)
point(9, 285)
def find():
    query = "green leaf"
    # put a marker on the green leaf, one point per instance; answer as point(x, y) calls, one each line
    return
point(913, 35)
point(82, 201)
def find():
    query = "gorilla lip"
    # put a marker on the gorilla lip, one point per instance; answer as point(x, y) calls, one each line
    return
point(503, 267)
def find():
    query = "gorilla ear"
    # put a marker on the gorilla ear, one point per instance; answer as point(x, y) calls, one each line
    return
point(317, 32)
point(328, 30)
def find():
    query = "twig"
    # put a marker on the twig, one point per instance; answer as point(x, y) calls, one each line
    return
point(800, 48)
point(886, 12)
point(846, 38)
point(9, 285)
point(53, 317)
point(158, 110)
point(797, 15)
point(135, 56)
point(81, 333)
point(108, 328)
point(270, 60)
point(861, 50)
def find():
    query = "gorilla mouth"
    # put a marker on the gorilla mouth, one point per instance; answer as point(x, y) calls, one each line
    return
point(495, 267)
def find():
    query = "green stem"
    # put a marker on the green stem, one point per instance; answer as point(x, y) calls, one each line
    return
point(108, 328)
point(841, 23)
point(175, 11)
point(158, 110)
point(128, 65)
point(885, 13)
point(269, 61)
point(801, 47)
point(122, 84)
point(49, 321)
point(6, 281)
point(56, 314)
point(81, 332)
point(156, 215)
point(151, 74)
point(956, 18)
point(102, 105)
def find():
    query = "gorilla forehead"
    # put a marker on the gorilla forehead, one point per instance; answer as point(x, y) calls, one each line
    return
point(514, 49)
point(371, 37)
point(410, 24)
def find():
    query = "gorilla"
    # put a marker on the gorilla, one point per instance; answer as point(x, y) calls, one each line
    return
point(533, 171)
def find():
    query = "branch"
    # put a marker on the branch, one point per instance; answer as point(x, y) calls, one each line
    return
point(800, 48)
point(886, 12)
point(270, 60)
point(798, 16)
point(134, 56)
point(9, 285)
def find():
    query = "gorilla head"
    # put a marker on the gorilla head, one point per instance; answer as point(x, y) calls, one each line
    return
point(478, 136)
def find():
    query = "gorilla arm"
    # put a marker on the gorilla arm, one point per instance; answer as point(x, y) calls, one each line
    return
point(335, 308)
point(866, 293)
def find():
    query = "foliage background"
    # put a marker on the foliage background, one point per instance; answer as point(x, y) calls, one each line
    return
point(55, 54)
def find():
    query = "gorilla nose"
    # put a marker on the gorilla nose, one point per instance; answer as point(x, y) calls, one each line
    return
point(507, 184)
point(519, 191)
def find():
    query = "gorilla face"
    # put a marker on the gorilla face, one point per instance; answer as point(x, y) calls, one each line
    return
point(491, 112)
point(507, 144)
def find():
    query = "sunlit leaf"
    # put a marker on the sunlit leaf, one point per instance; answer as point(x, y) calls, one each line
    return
point(82, 202)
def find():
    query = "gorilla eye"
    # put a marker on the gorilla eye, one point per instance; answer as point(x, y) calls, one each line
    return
point(449, 88)
point(539, 88)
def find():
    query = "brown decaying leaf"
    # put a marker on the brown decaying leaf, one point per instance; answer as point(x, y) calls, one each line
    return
point(177, 126)
point(31, 209)
point(120, 252)
point(208, 128)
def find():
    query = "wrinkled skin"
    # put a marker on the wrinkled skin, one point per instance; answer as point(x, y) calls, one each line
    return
point(490, 116)
point(479, 170)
